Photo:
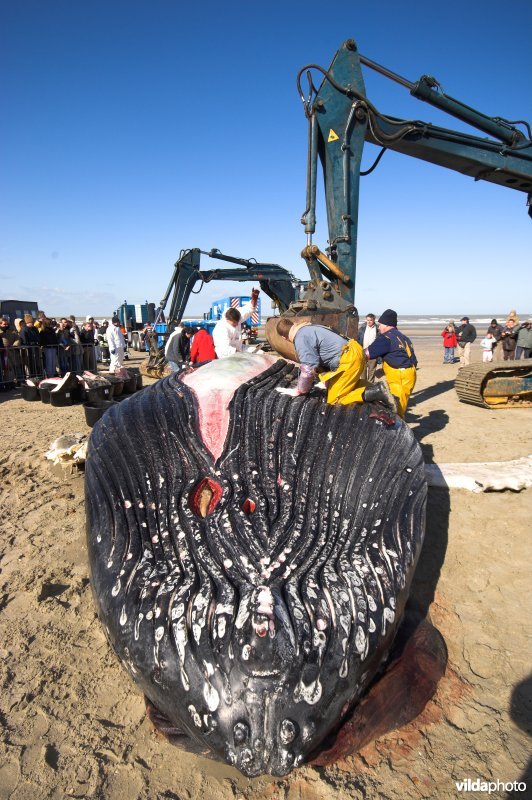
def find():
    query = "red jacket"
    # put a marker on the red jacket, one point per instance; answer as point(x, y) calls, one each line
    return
point(449, 338)
point(202, 348)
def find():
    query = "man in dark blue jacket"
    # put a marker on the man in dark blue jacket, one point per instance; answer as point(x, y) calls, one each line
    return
point(399, 359)
point(466, 335)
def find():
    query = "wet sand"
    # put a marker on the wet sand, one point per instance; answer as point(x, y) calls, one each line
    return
point(74, 726)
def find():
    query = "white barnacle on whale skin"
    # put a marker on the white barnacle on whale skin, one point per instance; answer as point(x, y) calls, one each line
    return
point(310, 694)
point(212, 698)
point(388, 615)
point(195, 716)
point(221, 627)
point(179, 629)
point(139, 619)
point(360, 640)
point(243, 612)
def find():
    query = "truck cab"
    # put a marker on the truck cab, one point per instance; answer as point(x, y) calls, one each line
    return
point(15, 309)
point(219, 307)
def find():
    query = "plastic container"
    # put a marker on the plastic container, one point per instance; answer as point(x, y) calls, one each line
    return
point(116, 383)
point(130, 385)
point(95, 411)
point(44, 392)
point(118, 387)
point(30, 392)
point(96, 393)
point(62, 399)
point(78, 394)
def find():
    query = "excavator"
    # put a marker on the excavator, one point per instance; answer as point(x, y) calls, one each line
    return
point(341, 119)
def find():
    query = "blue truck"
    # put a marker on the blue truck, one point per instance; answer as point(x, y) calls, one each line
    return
point(137, 318)
point(215, 313)
point(219, 307)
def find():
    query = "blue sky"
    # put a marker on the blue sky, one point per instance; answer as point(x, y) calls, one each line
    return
point(131, 130)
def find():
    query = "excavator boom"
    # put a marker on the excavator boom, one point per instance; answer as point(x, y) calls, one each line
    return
point(276, 281)
point(342, 118)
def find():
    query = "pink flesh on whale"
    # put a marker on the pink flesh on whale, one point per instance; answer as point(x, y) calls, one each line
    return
point(214, 386)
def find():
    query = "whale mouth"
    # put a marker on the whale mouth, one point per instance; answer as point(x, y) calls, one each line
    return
point(255, 573)
point(214, 387)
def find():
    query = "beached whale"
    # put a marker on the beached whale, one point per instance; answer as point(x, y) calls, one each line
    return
point(251, 556)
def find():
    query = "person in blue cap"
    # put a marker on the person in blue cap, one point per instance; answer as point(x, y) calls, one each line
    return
point(398, 357)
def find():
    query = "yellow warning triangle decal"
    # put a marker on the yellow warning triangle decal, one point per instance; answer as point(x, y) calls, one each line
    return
point(332, 136)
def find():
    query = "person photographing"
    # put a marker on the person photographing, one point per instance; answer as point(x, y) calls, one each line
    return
point(227, 333)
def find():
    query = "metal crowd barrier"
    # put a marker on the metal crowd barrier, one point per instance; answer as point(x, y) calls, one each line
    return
point(17, 364)
point(22, 362)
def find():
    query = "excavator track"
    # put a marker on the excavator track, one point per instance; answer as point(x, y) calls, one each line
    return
point(504, 384)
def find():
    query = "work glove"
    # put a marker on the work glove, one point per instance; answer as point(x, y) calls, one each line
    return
point(290, 392)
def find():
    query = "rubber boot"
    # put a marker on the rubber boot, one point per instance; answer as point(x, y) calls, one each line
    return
point(380, 393)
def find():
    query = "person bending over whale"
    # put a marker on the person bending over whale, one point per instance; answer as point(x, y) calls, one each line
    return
point(339, 362)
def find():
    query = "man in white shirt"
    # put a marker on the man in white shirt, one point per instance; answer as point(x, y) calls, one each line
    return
point(227, 333)
point(117, 344)
point(367, 333)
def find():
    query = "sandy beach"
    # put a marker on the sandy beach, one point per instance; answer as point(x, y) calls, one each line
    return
point(73, 725)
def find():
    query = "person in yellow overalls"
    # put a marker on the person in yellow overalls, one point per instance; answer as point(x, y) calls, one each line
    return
point(336, 361)
point(399, 359)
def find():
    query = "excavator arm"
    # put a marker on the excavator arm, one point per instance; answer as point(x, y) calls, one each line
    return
point(342, 118)
point(277, 282)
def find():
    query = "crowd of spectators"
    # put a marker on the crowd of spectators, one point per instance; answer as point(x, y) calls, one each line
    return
point(48, 347)
point(510, 341)
point(45, 347)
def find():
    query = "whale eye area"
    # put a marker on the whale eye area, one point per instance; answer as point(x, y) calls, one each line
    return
point(205, 497)
point(248, 506)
